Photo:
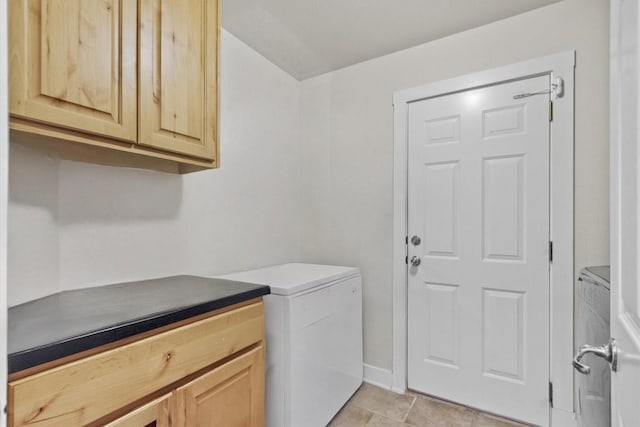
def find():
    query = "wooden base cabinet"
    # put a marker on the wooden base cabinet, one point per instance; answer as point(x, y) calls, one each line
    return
point(206, 372)
point(231, 394)
point(136, 77)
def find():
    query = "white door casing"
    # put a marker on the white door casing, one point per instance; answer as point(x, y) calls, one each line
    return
point(625, 162)
point(4, 200)
point(478, 303)
point(558, 65)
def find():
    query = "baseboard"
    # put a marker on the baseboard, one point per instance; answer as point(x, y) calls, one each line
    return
point(377, 376)
point(561, 418)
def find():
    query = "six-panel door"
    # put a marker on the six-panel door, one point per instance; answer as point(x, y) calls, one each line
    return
point(478, 303)
point(178, 76)
point(73, 64)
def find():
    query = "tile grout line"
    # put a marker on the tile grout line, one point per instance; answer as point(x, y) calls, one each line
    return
point(413, 402)
point(475, 413)
point(375, 412)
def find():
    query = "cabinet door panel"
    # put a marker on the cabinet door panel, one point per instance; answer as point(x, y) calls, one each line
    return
point(178, 60)
point(72, 64)
point(230, 395)
point(156, 413)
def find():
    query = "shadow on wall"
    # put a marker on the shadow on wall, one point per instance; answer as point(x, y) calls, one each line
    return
point(103, 194)
point(33, 180)
point(74, 192)
point(82, 224)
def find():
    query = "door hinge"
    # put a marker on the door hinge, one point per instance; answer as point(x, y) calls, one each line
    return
point(550, 251)
point(406, 240)
point(550, 394)
point(406, 260)
point(550, 111)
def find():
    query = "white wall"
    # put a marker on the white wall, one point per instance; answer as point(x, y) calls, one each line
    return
point(77, 224)
point(34, 228)
point(4, 159)
point(306, 172)
point(346, 132)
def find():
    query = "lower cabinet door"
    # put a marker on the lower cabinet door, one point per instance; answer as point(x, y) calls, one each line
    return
point(231, 395)
point(154, 414)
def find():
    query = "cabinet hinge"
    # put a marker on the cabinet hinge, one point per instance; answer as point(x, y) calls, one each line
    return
point(550, 394)
point(550, 111)
point(550, 251)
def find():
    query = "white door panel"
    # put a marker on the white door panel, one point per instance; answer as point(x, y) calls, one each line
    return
point(478, 303)
point(625, 305)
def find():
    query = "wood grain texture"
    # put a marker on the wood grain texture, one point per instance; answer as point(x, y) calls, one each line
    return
point(82, 355)
point(88, 389)
point(158, 411)
point(73, 64)
point(230, 395)
point(178, 60)
point(74, 37)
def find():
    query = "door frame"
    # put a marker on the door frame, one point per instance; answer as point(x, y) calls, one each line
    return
point(4, 200)
point(561, 216)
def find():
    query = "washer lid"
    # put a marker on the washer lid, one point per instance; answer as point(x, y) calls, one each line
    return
point(289, 279)
point(600, 275)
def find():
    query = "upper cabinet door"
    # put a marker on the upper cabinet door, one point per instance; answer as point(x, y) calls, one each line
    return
point(73, 64)
point(178, 59)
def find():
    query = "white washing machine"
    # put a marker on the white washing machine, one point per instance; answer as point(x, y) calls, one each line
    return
point(593, 390)
point(314, 340)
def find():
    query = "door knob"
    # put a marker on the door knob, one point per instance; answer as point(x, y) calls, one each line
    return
point(415, 261)
point(415, 240)
point(608, 352)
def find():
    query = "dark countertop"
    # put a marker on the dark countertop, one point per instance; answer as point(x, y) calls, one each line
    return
point(69, 322)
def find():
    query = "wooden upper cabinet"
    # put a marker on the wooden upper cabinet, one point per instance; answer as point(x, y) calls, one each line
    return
point(179, 76)
point(121, 82)
point(73, 64)
point(229, 395)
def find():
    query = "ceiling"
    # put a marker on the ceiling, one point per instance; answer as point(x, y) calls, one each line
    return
point(311, 37)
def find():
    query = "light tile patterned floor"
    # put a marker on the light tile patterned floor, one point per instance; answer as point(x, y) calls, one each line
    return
point(375, 407)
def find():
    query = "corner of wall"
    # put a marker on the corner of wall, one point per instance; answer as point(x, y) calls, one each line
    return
point(33, 235)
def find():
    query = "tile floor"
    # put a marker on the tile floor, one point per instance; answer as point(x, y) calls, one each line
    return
point(375, 407)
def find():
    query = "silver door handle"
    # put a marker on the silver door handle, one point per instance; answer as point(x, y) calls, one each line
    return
point(415, 261)
point(608, 352)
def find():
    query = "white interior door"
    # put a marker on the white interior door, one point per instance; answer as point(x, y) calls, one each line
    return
point(625, 284)
point(478, 302)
